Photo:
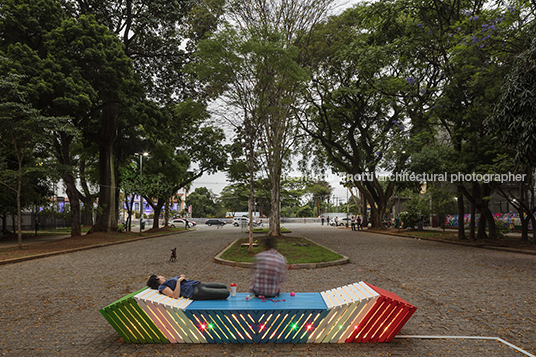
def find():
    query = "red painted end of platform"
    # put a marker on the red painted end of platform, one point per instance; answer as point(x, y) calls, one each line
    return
point(386, 318)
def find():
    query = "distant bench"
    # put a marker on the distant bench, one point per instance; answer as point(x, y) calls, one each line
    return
point(359, 312)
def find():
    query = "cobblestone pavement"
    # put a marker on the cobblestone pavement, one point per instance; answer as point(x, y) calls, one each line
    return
point(50, 306)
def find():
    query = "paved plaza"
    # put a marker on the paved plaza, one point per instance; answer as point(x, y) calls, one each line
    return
point(50, 306)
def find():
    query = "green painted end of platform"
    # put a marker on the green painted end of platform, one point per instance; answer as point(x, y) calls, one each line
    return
point(131, 322)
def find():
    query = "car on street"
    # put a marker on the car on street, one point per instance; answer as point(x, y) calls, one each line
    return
point(180, 223)
point(237, 221)
point(345, 221)
point(339, 222)
point(214, 222)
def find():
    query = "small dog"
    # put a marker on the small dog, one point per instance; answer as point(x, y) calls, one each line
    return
point(173, 255)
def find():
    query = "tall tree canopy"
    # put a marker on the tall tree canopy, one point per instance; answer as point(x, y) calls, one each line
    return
point(362, 110)
point(254, 62)
point(73, 69)
point(159, 36)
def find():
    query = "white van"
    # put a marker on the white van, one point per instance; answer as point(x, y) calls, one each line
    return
point(237, 221)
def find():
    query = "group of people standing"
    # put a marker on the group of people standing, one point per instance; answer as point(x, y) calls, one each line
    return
point(270, 271)
point(355, 222)
point(332, 221)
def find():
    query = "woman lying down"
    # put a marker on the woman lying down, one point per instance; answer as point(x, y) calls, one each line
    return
point(179, 286)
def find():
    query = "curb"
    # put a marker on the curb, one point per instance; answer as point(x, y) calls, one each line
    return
point(343, 260)
point(51, 254)
point(504, 249)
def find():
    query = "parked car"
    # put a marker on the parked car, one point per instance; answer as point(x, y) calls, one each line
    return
point(180, 223)
point(214, 222)
point(339, 222)
point(237, 221)
point(344, 221)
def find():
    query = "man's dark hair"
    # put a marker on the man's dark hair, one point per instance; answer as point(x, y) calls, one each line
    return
point(270, 242)
point(153, 282)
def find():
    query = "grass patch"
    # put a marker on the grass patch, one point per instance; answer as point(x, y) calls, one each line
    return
point(84, 241)
point(287, 246)
point(52, 232)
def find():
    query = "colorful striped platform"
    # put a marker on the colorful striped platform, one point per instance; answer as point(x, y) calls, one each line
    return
point(358, 312)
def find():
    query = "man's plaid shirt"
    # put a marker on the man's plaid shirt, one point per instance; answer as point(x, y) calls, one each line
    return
point(270, 271)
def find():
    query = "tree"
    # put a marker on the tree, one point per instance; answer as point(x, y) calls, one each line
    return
point(74, 69)
point(417, 208)
point(452, 60)
point(159, 38)
point(255, 62)
point(320, 193)
point(305, 211)
point(129, 175)
point(362, 113)
point(95, 60)
point(514, 118)
point(176, 141)
point(514, 123)
point(223, 62)
point(22, 130)
point(234, 197)
point(203, 202)
point(436, 158)
point(470, 45)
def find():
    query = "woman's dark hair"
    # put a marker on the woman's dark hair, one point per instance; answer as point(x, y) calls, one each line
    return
point(153, 282)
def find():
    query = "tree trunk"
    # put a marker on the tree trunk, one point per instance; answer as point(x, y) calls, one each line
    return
point(106, 219)
point(157, 209)
point(533, 220)
point(375, 194)
point(492, 227)
point(166, 212)
point(86, 198)
point(74, 201)
point(88, 213)
point(487, 191)
point(364, 220)
point(251, 199)
point(19, 209)
point(461, 215)
point(64, 158)
point(118, 204)
point(4, 224)
point(274, 220)
point(482, 227)
point(521, 210)
point(129, 212)
point(376, 217)
point(473, 214)
point(524, 226)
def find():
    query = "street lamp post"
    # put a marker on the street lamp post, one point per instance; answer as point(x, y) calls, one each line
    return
point(141, 189)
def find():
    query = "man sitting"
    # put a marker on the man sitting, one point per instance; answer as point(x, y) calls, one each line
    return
point(270, 270)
